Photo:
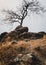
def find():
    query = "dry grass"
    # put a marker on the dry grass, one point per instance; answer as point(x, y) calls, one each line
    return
point(10, 49)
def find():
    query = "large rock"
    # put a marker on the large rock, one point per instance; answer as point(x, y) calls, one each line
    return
point(22, 30)
point(2, 36)
point(42, 33)
point(37, 36)
point(18, 27)
point(29, 35)
point(26, 35)
point(13, 35)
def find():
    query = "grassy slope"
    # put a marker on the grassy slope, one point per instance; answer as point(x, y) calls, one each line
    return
point(8, 48)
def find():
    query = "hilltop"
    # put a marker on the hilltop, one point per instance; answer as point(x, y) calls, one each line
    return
point(20, 47)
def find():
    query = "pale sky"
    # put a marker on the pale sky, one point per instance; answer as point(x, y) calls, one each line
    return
point(36, 23)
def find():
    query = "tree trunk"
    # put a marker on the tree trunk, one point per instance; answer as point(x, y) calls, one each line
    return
point(21, 22)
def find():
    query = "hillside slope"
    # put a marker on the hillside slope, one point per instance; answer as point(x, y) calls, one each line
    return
point(23, 48)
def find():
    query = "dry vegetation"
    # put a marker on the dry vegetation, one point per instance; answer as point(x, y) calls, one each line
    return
point(9, 50)
point(28, 49)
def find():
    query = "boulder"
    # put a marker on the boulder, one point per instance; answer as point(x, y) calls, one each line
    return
point(37, 36)
point(2, 36)
point(22, 30)
point(18, 27)
point(26, 35)
point(13, 35)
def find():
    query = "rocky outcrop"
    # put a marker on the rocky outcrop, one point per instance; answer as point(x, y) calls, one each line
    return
point(25, 35)
point(37, 35)
point(20, 47)
point(29, 35)
point(20, 33)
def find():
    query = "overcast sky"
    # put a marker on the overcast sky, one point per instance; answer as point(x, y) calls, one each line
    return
point(35, 22)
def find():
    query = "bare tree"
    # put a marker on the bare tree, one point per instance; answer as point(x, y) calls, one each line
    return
point(33, 6)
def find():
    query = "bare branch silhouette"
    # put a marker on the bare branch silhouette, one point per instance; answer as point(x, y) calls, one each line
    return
point(33, 6)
